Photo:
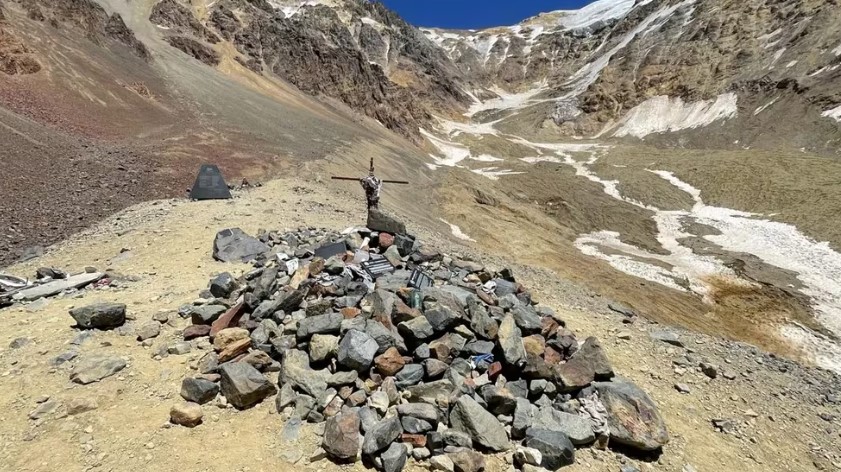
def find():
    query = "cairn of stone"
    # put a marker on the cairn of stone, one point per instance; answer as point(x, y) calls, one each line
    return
point(434, 358)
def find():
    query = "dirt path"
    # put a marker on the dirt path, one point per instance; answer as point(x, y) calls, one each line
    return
point(162, 252)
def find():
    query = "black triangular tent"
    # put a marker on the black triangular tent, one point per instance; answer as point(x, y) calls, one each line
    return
point(210, 185)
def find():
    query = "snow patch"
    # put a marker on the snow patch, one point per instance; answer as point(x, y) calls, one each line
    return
point(457, 232)
point(602, 10)
point(837, 51)
point(791, 64)
point(494, 173)
point(661, 114)
point(764, 107)
point(535, 160)
point(834, 113)
point(508, 101)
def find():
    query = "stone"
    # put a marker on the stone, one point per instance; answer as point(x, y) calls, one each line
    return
point(223, 285)
point(577, 428)
point(198, 391)
point(435, 368)
point(209, 363)
point(480, 321)
point(179, 349)
point(666, 336)
point(233, 245)
point(229, 319)
point(206, 314)
point(44, 409)
point(421, 453)
point(148, 331)
point(195, 331)
point(342, 378)
point(555, 448)
point(323, 347)
point(430, 392)
point(100, 316)
point(417, 329)
point(296, 370)
point(330, 323)
point(440, 317)
point(390, 362)
point(442, 463)
point(96, 368)
point(381, 435)
point(379, 401)
point(485, 430)
point(394, 458)
point(384, 223)
point(511, 341)
point(524, 415)
point(18, 343)
point(588, 364)
point(710, 370)
point(234, 350)
point(423, 411)
point(682, 388)
point(411, 374)
point(527, 319)
point(243, 385)
point(357, 350)
point(341, 436)
point(527, 455)
point(186, 414)
point(499, 400)
point(228, 336)
point(632, 418)
point(413, 425)
point(467, 461)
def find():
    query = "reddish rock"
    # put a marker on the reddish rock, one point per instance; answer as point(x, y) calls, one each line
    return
point(341, 436)
point(234, 350)
point(404, 312)
point(488, 299)
point(548, 327)
point(390, 362)
point(494, 370)
point(350, 312)
point(386, 240)
point(551, 356)
point(229, 319)
point(196, 331)
point(416, 440)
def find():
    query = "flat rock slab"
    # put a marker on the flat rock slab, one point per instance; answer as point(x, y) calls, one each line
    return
point(485, 430)
point(96, 368)
point(233, 245)
point(57, 286)
point(632, 417)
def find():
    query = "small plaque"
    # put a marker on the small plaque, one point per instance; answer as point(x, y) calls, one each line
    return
point(210, 185)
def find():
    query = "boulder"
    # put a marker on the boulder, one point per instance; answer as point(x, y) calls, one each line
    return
point(96, 368)
point(206, 314)
point(100, 316)
point(197, 390)
point(483, 428)
point(243, 385)
point(233, 245)
point(589, 363)
point(223, 285)
point(341, 436)
point(632, 418)
point(394, 458)
point(380, 221)
point(357, 350)
point(186, 414)
point(555, 447)
point(577, 428)
point(511, 341)
point(381, 435)
point(413, 425)
point(296, 370)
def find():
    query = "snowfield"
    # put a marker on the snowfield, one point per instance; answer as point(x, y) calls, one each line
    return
point(661, 114)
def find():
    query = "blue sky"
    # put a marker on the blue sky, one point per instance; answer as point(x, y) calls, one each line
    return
point(465, 14)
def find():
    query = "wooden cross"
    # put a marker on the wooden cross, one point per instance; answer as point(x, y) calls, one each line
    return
point(372, 185)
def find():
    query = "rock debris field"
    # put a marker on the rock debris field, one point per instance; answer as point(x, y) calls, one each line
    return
point(402, 352)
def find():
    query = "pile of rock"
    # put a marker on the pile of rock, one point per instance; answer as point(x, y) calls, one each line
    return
point(433, 358)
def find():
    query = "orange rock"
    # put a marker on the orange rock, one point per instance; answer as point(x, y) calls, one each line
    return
point(234, 349)
point(390, 362)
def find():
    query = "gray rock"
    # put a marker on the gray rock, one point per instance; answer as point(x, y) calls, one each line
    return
point(57, 286)
point(233, 245)
point(369, 418)
point(96, 368)
point(296, 371)
point(589, 363)
point(63, 358)
point(666, 336)
point(499, 400)
point(100, 316)
point(222, 285)
point(206, 314)
point(575, 427)
point(421, 453)
point(384, 336)
point(410, 374)
point(394, 458)
point(180, 348)
point(435, 368)
point(450, 438)
point(442, 463)
point(480, 347)
point(416, 329)
point(243, 385)
point(524, 415)
point(148, 331)
point(357, 350)
point(341, 436)
point(342, 377)
point(285, 397)
point(18, 343)
point(526, 319)
point(555, 447)
point(198, 391)
point(423, 411)
point(330, 323)
point(440, 317)
point(511, 341)
point(485, 430)
point(381, 435)
point(380, 221)
point(413, 425)
point(430, 392)
point(633, 419)
point(467, 461)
